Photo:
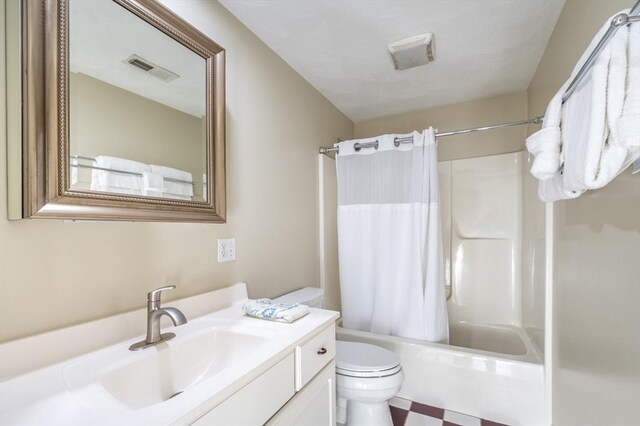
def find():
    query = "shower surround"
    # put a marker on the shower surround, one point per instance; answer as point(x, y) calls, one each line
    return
point(493, 238)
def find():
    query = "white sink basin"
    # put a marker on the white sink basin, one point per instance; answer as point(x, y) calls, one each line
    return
point(136, 380)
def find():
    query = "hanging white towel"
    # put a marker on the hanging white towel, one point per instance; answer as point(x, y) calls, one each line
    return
point(593, 137)
point(591, 151)
point(628, 130)
point(152, 184)
point(120, 175)
point(172, 189)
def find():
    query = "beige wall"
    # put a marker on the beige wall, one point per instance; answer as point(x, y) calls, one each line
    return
point(499, 109)
point(147, 131)
point(54, 274)
point(596, 320)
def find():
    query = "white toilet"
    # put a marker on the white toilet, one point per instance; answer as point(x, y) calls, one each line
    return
point(367, 376)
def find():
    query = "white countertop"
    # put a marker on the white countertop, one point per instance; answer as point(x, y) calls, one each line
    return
point(43, 397)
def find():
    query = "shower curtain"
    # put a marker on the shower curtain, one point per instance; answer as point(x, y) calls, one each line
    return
point(389, 238)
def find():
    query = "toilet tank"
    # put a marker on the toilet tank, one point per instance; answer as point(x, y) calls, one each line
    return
point(310, 296)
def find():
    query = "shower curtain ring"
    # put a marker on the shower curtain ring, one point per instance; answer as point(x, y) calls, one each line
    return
point(358, 146)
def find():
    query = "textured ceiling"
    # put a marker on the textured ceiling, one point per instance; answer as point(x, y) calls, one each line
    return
point(102, 34)
point(483, 47)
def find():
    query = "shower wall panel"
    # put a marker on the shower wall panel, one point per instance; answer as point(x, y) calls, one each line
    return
point(482, 197)
point(533, 258)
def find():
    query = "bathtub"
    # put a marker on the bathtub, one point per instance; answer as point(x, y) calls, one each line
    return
point(488, 371)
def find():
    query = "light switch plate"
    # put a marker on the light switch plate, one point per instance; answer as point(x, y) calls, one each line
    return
point(226, 249)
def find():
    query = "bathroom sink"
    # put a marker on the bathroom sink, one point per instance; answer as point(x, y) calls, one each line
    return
point(141, 379)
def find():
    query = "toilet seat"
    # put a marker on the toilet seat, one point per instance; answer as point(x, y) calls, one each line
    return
point(363, 360)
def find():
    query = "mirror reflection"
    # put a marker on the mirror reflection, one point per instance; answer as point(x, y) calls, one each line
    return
point(137, 107)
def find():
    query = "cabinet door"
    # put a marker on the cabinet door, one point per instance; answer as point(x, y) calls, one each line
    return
point(314, 405)
point(256, 402)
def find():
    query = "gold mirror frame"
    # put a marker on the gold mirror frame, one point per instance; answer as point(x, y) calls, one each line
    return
point(45, 119)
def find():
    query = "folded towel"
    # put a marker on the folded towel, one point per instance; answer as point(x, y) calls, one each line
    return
point(182, 190)
point(152, 184)
point(170, 172)
point(112, 181)
point(74, 171)
point(171, 189)
point(281, 312)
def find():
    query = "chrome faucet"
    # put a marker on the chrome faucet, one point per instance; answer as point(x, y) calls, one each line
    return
point(154, 315)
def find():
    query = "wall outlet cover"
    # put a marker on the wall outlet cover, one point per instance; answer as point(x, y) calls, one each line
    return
point(226, 249)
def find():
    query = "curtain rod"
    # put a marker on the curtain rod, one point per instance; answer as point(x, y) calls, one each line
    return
point(618, 21)
point(536, 120)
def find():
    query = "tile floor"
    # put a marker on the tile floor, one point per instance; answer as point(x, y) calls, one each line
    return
point(409, 413)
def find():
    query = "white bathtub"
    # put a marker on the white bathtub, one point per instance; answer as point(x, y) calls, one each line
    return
point(492, 372)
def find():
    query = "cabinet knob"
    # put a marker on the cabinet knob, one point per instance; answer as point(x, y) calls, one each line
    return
point(322, 351)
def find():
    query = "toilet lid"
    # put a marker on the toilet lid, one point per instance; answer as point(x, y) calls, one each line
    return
point(365, 360)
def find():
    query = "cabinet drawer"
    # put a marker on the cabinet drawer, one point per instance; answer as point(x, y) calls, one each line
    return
point(255, 403)
point(314, 354)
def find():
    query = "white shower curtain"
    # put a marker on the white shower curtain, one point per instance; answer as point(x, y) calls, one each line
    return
point(389, 238)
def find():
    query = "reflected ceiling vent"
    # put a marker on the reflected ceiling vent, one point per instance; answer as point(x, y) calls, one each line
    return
point(151, 68)
point(412, 51)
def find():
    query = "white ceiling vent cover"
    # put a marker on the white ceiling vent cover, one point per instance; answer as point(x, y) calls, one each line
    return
point(151, 68)
point(412, 51)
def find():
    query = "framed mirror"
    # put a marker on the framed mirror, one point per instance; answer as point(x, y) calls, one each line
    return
point(123, 113)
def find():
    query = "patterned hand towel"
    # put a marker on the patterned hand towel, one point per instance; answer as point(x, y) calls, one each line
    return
point(281, 312)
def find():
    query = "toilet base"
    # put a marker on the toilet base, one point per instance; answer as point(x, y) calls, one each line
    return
point(368, 414)
point(341, 410)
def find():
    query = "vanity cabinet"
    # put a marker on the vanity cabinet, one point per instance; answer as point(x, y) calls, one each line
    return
point(298, 390)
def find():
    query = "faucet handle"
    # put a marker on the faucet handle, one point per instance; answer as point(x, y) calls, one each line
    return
point(154, 295)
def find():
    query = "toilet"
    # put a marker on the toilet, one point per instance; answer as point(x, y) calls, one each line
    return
point(367, 376)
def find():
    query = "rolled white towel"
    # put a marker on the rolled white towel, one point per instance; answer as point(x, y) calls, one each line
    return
point(281, 312)
point(545, 145)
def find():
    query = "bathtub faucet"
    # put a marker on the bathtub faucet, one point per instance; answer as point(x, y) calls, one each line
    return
point(154, 315)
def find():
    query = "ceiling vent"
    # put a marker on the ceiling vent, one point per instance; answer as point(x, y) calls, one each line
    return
point(151, 68)
point(412, 51)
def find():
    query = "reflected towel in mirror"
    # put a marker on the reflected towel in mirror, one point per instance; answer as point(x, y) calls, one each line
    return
point(182, 190)
point(152, 184)
point(114, 181)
